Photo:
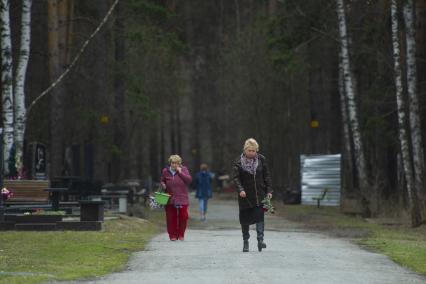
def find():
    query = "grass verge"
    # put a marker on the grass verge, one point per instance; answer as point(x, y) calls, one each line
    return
point(34, 257)
point(394, 238)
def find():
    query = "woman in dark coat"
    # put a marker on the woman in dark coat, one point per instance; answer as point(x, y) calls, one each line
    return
point(253, 183)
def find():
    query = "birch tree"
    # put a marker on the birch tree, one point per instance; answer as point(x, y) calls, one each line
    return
point(402, 120)
point(415, 127)
point(19, 88)
point(345, 123)
point(343, 109)
point(350, 99)
point(7, 81)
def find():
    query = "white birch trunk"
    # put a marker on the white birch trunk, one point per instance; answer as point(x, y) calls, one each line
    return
point(402, 120)
point(344, 111)
point(350, 99)
point(19, 97)
point(348, 161)
point(7, 82)
point(415, 127)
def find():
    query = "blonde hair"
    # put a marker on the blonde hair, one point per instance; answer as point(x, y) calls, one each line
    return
point(251, 143)
point(175, 159)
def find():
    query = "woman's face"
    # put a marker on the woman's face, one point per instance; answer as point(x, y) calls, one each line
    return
point(174, 165)
point(250, 152)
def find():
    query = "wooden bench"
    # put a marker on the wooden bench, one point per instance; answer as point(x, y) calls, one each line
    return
point(320, 197)
point(27, 191)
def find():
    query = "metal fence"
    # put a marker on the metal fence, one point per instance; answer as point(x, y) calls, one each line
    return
point(319, 172)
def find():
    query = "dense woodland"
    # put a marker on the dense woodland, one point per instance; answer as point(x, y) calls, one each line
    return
point(199, 77)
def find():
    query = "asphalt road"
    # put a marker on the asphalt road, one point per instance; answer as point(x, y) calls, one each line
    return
point(212, 253)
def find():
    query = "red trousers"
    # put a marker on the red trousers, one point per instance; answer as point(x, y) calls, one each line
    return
point(177, 219)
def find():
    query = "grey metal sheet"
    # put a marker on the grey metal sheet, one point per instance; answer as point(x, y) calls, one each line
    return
point(319, 172)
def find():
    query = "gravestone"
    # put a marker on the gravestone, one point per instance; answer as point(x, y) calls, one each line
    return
point(38, 155)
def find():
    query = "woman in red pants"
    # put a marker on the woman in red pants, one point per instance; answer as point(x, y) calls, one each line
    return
point(175, 180)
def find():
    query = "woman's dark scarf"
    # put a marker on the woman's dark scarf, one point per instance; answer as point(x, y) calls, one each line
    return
point(249, 165)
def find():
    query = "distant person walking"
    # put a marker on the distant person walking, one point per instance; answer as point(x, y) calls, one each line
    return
point(203, 185)
point(175, 180)
point(253, 183)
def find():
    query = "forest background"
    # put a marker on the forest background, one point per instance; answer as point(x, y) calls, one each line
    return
point(199, 77)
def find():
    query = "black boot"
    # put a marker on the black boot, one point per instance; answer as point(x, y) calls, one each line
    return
point(246, 236)
point(260, 227)
point(260, 245)
point(246, 246)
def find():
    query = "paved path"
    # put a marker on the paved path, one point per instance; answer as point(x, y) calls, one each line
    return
point(212, 253)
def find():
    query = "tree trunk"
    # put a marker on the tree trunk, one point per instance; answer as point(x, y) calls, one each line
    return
point(6, 82)
point(154, 152)
point(57, 96)
point(403, 137)
point(172, 117)
point(163, 159)
point(62, 32)
point(179, 130)
point(413, 106)
point(21, 71)
point(272, 7)
point(352, 107)
point(195, 73)
point(237, 17)
point(221, 19)
point(347, 154)
point(69, 33)
point(119, 159)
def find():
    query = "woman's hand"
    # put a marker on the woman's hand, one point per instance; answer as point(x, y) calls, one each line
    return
point(242, 194)
point(163, 185)
point(179, 169)
point(269, 195)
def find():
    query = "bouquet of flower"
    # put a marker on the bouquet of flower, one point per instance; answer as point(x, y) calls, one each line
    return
point(153, 204)
point(6, 193)
point(267, 206)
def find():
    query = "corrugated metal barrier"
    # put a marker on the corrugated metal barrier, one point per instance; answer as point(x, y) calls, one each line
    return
point(319, 172)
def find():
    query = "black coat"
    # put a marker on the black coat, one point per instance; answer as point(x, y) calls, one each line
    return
point(256, 186)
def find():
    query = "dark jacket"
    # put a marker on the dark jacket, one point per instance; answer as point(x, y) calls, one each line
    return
point(256, 186)
point(203, 181)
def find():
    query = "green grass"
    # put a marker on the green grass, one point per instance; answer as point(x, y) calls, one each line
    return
point(403, 244)
point(68, 255)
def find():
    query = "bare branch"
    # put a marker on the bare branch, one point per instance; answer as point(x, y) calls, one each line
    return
point(83, 47)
